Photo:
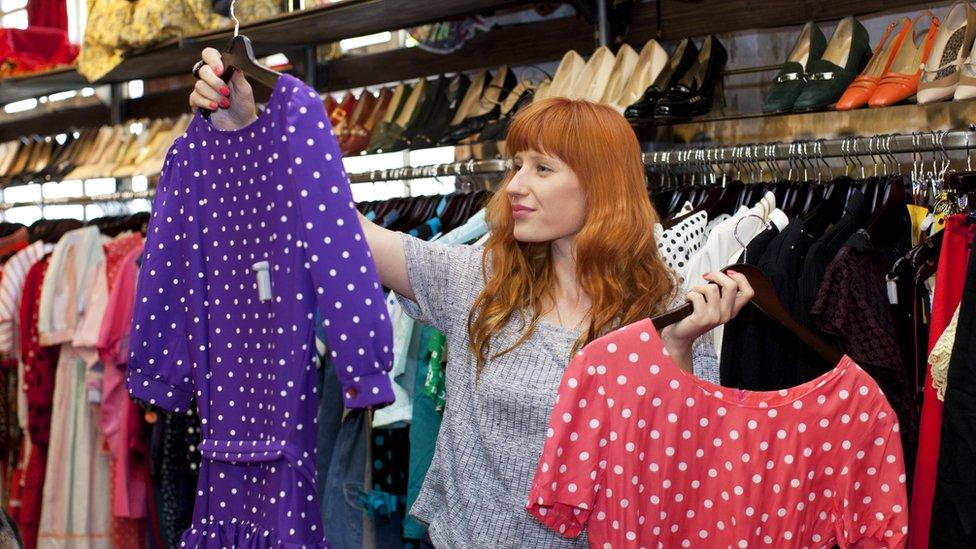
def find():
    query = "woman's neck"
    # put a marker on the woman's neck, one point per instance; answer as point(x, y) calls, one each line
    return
point(571, 305)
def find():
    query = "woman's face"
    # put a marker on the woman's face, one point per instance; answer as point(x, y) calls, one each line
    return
point(546, 198)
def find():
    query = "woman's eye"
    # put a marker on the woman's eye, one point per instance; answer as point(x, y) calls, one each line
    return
point(543, 168)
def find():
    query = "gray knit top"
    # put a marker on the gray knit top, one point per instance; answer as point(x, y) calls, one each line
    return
point(492, 433)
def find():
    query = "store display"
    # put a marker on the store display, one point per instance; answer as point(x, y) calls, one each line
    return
point(953, 44)
point(862, 89)
point(901, 78)
point(34, 49)
point(789, 82)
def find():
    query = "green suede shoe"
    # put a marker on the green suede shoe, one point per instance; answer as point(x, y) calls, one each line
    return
point(827, 78)
point(791, 79)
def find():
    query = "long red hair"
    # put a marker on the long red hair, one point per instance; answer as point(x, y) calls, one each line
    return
point(617, 259)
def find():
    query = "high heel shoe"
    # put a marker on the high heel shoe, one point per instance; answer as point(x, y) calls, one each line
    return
point(519, 97)
point(439, 119)
point(651, 61)
point(940, 75)
point(862, 88)
point(900, 81)
point(360, 134)
point(487, 108)
point(364, 107)
point(592, 82)
point(683, 57)
point(623, 69)
point(381, 132)
point(847, 52)
point(409, 112)
point(434, 100)
point(694, 93)
point(789, 82)
point(570, 68)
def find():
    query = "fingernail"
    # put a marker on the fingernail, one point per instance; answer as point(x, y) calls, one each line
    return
point(218, 71)
point(213, 105)
point(225, 91)
point(225, 103)
point(705, 276)
point(731, 272)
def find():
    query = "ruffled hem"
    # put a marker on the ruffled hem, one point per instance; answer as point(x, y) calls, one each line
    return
point(241, 535)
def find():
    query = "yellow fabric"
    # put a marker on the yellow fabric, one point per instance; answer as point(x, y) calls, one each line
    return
point(941, 355)
point(116, 28)
point(917, 215)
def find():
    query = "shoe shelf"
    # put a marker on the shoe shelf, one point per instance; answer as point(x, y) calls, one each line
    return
point(729, 128)
point(287, 32)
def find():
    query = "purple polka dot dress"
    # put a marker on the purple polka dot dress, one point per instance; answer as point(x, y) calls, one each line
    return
point(272, 191)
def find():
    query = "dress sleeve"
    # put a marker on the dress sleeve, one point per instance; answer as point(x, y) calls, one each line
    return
point(445, 280)
point(569, 475)
point(876, 514)
point(159, 366)
point(348, 292)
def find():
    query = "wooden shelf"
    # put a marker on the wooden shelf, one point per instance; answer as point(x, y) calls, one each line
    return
point(284, 33)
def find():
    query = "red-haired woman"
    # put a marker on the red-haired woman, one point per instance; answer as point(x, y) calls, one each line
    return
point(571, 256)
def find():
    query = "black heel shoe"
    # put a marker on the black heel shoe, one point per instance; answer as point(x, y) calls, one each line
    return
point(518, 98)
point(683, 57)
point(694, 94)
point(489, 108)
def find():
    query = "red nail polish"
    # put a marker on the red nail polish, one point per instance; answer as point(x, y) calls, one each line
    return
point(225, 103)
point(218, 71)
point(213, 105)
point(225, 91)
point(731, 272)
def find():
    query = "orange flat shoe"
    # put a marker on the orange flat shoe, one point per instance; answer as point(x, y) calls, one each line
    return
point(901, 80)
point(862, 88)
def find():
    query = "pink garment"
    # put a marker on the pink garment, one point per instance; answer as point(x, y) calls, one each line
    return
point(130, 484)
point(644, 454)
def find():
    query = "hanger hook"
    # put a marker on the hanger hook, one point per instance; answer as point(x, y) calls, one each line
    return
point(237, 23)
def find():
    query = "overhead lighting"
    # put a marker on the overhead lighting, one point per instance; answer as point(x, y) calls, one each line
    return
point(363, 41)
point(20, 106)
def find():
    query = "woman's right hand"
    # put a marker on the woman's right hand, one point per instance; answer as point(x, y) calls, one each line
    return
point(232, 103)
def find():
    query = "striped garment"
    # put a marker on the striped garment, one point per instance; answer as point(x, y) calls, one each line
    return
point(11, 289)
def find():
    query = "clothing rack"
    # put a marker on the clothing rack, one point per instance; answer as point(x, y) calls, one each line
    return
point(851, 149)
point(470, 167)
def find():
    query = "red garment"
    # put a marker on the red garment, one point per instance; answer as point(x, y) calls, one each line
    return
point(31, 496)
point(39, 362)
point(950, 279)
point(48, 13)
point(34, 49)
point(645, 454)
point(17, 240)
point(115, 252)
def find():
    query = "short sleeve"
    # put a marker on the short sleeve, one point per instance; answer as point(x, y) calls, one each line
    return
point(569, 473)
point(445, 280)
point(159, 366)
point(876, 511)
point(348, 293)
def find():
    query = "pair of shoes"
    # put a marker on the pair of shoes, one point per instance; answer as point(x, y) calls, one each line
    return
point(481, 104)
point(893, 73)
point(817, 73)
point(694, 93)
point(684, 55)
point(948, 72)
point(614, 80)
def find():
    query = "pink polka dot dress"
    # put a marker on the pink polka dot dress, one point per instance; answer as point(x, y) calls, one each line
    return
point(272, 191)
point(643, 454)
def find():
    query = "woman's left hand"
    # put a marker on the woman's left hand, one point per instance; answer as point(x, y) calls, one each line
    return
point(715, 303)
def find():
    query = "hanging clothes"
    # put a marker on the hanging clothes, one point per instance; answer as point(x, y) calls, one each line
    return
point(819, 462)
point(72, 302)
point(941, 356)
point(290, 205)
point(951, 279)
point(954, 503)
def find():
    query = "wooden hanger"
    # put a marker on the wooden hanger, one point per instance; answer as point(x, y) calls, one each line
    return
point(239, 55)
point(766, 300)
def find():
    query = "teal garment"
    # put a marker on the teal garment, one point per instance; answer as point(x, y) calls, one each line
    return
point(423, 433)
point(435, 386)
point(371, 215)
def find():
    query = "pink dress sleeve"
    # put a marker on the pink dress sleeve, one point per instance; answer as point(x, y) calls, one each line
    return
point(875, 514)
point(570, 471)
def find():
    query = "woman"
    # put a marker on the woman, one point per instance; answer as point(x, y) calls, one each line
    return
point(571, 256)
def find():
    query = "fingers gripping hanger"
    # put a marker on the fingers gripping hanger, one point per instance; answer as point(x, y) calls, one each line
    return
point(768, 302)
point(239, 55)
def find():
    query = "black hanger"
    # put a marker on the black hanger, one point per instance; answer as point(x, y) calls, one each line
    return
point(239, 55)
point(766, 300)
